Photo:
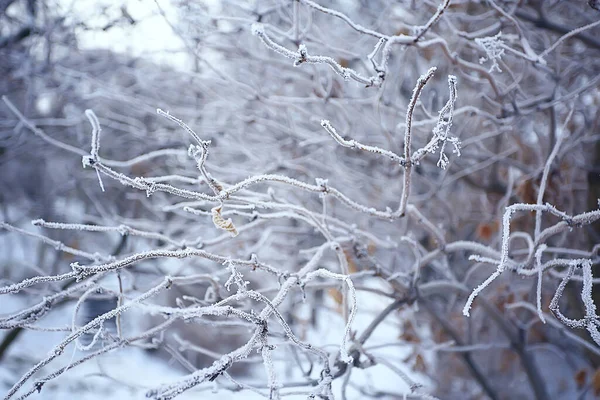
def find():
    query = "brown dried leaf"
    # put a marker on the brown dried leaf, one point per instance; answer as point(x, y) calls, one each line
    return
point(419, 364)
point(222, 223)
point(486, 230)
point(409, 334)
point(580, 378)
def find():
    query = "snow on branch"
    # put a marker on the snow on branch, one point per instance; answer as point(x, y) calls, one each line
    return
point(301, 56)
point(494, 50)
point(591, 321)
point(441, 131)
point(295, 247)
point(353, 144)
point(567, 223)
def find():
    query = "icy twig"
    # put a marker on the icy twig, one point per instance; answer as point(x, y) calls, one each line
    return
point(591, 320)
point(494, 50)
point(60, 348)
point(301, 56)
point(93, 157)
point(441, 131)
point(56, 244)
point(328, 274)
point(421, 82)
point(353, 144)
point(566, 223)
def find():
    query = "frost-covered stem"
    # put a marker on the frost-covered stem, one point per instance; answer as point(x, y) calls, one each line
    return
point(56, 244)
point(96, 129)
point(151, 187)
point(455, 59)
point(17, 287)
point(421, 82)
point(37, 311)
point(540, 269)
point(78, 305)
point(201, 148)
point(93, 157)
point(504, 259)
point(345, 18)
point(144, 157)
point(33, 128)
point(419, 218)
point(411, 384)
point(83, 271)
point(124, 230)
point(187, 345)
point(302, 56)
point(82, 153)
point(554, 306)
point(182, 124)
point(301, 213)
point(343, 261)
point(353, 144)
point(529, 53)
point(222, 364)
point(59, 349)
point(574, 32)
point(120, 298)
point(476, 291)
point(441, 131)
point(345, 357)
point(544, 181)
point(37, 387)
point(434, 18)
point(591, 319)
point(567, 223)
point(558, 326)
point(266, 352)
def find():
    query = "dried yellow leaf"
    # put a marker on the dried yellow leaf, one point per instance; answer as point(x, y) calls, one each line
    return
point(222, 223)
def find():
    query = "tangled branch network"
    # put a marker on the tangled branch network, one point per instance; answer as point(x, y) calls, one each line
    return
point(88, 277)
point(290, 235)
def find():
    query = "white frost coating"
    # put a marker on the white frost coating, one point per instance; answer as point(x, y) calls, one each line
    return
point(494, 50)
point(93, 157)
point(345, 357)
point(257, 29)
point(540, 269)
point(441, 131)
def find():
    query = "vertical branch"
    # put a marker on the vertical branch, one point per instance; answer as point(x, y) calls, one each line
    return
point(296, 16)
point(96, 129)
point(119, 304)
point(407, 136)
point(540, 268)
point(93, 158)
point(544, 180)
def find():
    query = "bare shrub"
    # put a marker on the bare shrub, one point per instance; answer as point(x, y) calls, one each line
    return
point(415, 182)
